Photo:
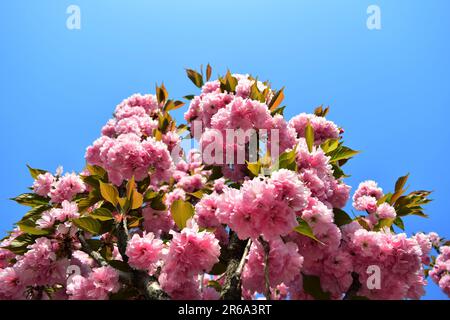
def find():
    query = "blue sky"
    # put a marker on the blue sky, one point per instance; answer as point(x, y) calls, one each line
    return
point(388, 88)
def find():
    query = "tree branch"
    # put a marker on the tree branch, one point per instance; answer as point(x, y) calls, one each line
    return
point(354, 287)
point(266, 247)
point(93, 254)
point(235, 256)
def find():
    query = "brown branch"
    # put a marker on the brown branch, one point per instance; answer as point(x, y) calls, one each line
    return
point(266, 247)
point(92, 253)
point(234, 255)
point(354, 287)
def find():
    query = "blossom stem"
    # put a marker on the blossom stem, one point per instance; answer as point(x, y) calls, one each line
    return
point(266, 247)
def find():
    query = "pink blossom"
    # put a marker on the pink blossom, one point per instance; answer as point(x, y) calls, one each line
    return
point(323, 129)
point(43, 184)
point(156, 221)
point(368, 188)
point(96, 286)
point(385, 211)
point(191, 252)
point(66, 188)
point(366, 203)
point(144, 252)
point(284, 264)
point(11, 286)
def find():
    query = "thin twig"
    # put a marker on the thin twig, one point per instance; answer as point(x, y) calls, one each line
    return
point(93, 254)
point(244, 258)
point(266, 247)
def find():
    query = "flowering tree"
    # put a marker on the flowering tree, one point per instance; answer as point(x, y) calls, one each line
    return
point(256, 211)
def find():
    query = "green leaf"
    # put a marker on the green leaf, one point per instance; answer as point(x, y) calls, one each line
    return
point(228, 83)
point(309, 136)
point(195, 77)
point(254, 168)
point(383, 223)
point(181, 212)
point(181, 128)
point(255, 94)
point(321, 112)
point(173, 105)
point(35, 172)
point(311, 285)
point(102, 214)
point(287, 160)
point(279, 111)
point(136, 200)
point(28, 226)
point(20, 244)
point(338, 172)
point(386, 198)
point(208, 72)
point(399, 185)
point(150, 194)
point(399, 223)
point(189, 97)
point(197, 194)
point(341, 217)
point(329, 145)
point(161, 93)
point(342, 153)
point(96, 170)
point(35, 212)
point(362, 223)
point(304, 229)
point(85, 203)
point(88, 224)
point(30, 200)
point(109, 193)
point(158, 203)
point(276, 100)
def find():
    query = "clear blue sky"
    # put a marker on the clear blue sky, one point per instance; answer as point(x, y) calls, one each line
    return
point(388, 88)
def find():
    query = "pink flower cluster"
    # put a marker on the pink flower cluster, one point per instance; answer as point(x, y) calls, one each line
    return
point(366, 199)
point(127, 147)
point(128, 155)
point(39, 266)
point(291, 218)
point(398, 257)
point(100, 283)
point(317, 174)
point(219, 112)
point(144, 252)
point(58, 188)
point(190, 253)
point(68, 210)
point(284, 264)
point(441, 270)
point(263, 206)
point(323, 129)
